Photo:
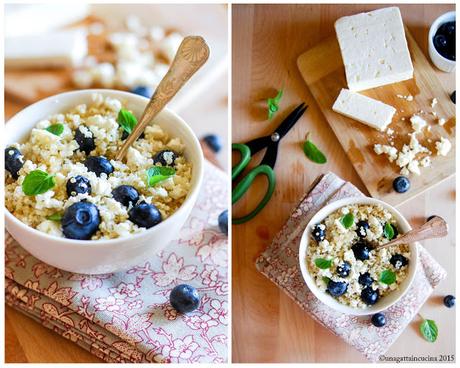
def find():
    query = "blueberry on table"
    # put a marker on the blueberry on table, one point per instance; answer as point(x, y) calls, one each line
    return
point(369, 295)
point(98, 165)
point(78, 185)
point(452, 97)
point(214, 142)
point(336, 288)
point(319, 232)
point(85, 140)
point(126, 195)
point(223, 222)
point(378, 320)
point(401, 184)
point(361, 250)
point(13, 161)
point(165, 158)
point(344, 269)
point(365, 279)
point(449, 301)
point(80, 221)
point(184, 298)
point(143, 91)
point(361, 228)
point(145, 215)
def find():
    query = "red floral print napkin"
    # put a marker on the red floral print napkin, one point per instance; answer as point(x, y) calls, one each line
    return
point(126, 316)
point(279, 262)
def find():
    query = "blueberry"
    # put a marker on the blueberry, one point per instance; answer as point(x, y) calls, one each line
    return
point(365, 279)
point(344, 269)
point(85, 140)
point(143, 91)
point(223, 222)
point(447, 29)
point(336, 288)
point(13, 161)
point(78, 185)
point(125, 135)
point(452, 97)
point(378, 320)
point(319, 232)
point(398, 261)
point(440, 42)
point(213, 141)
point(449, 301)
point(369, 295)
point(361, 228)
point(126, 195)
point(80, 221)
point(361, 250)
point(145, 215)
point(184, 298)
point(165, 158)
point(98, 165)
point(401, 184)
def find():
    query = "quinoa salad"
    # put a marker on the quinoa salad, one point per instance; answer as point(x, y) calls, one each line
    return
point(64, 181)
point(343, 263)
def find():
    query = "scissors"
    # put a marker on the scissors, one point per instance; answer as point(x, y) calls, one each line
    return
point(266, 166)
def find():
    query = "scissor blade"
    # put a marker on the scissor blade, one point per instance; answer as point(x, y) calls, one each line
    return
point(290, 120)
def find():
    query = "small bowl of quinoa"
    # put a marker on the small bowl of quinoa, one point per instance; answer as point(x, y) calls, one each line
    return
point(70, 203)
point(340, 264)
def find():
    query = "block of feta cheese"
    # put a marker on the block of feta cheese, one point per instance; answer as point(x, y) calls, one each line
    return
point(374, 48)
point(366, 110)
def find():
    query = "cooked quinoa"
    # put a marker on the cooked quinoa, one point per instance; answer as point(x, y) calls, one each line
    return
point(336, 245)
point(60, 155)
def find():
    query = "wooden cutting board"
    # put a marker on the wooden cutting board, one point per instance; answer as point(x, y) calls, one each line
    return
point(323, 71)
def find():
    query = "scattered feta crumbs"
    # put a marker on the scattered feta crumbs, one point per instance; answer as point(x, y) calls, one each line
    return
point(443, 146)
point(413, 167)
point(407, 98)
point(404, 172)
point(390, 131)
point(434, 102)
point(403, 119)
point(441, 121)
point(417, 123)
point(391, 152)
point(425, 162)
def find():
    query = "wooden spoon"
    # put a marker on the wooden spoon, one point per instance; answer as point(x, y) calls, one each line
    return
point(191, 55)
point(435, 228)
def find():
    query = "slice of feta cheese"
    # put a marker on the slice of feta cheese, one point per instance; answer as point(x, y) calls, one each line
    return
point(364, 109)
point(443, 146)
point(417, 123)
point(374, 48)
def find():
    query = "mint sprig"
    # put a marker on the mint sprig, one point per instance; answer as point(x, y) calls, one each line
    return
point(347, 220)
point(323, 263)
point(388, 277)
point(388, 231)
point(56, 129)
point(37, 182)
point(126, 120)
point(157, 174)
point(313, 152)
point(429, 330)
point(273, 104)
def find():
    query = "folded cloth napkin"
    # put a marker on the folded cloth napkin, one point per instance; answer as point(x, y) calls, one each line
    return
point(279, 262)
point(126, 316)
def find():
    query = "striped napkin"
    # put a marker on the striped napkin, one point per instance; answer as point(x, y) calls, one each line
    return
point(279, 262)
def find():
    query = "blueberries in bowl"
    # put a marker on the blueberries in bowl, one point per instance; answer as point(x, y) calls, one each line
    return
point(365, 279)
point(361, 228)
point(165, 158)
point(13, 161)
point(398, 261)
point(85, 140)
point(126, 195)
point(80, 221)
point(78, 185)
point(98, 165)
point(319, 232)
point(361, 250)
point(145, 215)
point(344, 269)
point(369, 295)
point(444, 40)
point(336, 288)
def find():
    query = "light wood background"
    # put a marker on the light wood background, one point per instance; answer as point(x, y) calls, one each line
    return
point(267, 325)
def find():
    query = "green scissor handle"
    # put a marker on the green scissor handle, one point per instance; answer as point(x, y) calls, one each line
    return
point(245, 158)
point(244, 185)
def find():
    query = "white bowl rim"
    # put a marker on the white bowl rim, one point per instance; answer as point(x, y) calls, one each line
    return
point(325, 299)
point(432, 32)
point(120, 240)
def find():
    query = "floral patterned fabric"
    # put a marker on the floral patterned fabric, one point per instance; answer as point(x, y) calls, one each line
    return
point(279, 262)
point(126, 316)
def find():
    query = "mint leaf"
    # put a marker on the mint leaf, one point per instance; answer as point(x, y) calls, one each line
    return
point(326, 279)
point(37, 182)
point(388, 231)
point(347, 221)
point(323, 263)
point(429, 330)
point(388, 277)
point(56, 129)
point(273, 104)
point(55, 217)
point(126, 120)
point(159, 173)
point(313, 152)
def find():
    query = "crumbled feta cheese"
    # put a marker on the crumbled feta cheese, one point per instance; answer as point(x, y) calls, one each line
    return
point(434, 102)
point(441, 121)
point(417, 123)
point(443, 146)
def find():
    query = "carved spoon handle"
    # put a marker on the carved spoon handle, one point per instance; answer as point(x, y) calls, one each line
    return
point(191, 55)
point(435, 228)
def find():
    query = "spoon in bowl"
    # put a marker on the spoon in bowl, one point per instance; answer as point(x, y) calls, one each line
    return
point(191, 55)
point(434, 228)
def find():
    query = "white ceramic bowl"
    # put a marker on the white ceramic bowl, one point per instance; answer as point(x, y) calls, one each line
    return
point(384, 302)
point(103, 256)
point(440, 61)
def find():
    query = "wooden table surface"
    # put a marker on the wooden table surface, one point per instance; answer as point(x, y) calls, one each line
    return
point(267, 325)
